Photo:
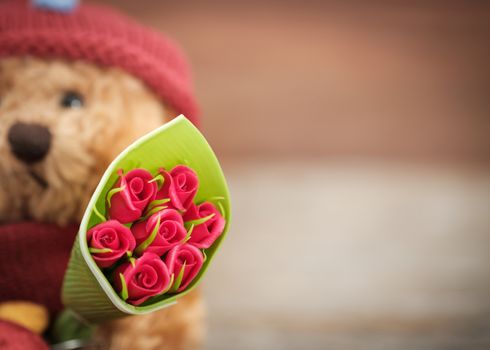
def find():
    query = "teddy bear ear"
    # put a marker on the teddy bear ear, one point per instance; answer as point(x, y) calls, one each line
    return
point(56, 5)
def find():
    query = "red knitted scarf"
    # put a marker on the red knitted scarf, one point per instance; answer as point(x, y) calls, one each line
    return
point(33, 259)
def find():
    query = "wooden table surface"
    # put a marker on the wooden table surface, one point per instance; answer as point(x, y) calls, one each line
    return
point(346, 255)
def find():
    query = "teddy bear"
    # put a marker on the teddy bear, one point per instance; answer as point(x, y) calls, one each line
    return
point(78, 84)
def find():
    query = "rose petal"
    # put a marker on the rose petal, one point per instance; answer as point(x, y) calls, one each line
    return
point(180, 185)
point(110, 235)
point(170, 233)
point(205, 234)
point(137, 192)
point(186, 254)
point(148, 277)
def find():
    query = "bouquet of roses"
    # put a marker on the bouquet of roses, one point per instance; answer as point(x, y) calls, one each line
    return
point(151, 228)
point(154, 239)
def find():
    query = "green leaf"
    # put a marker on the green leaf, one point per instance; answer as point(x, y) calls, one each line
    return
point(222, 210)
point(99, 250)
point(188, 235)
point(99, 215)
point(169, 285)
point(124, 287)
point(68, 326)
point(153, 211)
point(178, 281)
point(146, 243)
point(112, 193)
point(157, 203)
point(160, 179)
point(199, 221)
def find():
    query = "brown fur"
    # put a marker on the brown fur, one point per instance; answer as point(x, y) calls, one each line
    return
point(177, 328)
point(118, 109)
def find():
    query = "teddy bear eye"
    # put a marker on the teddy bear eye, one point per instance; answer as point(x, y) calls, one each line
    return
point(72, 99)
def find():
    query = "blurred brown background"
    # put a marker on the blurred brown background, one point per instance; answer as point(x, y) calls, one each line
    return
point(355, 136)
point(400, 79)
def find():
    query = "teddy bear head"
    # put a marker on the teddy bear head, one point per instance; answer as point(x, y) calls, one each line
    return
point(77, 87)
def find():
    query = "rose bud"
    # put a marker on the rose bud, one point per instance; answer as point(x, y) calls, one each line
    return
point(208, 224)
point(184, 262)
point(160, 232)
point(131, 195)
point(180, 186)
point(109, 241)
point(142, 278)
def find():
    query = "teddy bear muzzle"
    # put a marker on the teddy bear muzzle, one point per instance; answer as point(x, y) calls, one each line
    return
point(30, 143)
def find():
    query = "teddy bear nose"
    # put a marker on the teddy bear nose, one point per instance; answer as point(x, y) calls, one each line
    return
point(29, 142)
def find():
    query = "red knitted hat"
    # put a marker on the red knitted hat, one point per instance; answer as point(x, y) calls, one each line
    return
point(103, 36)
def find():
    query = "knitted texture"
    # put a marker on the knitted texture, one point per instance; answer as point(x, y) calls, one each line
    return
point(103, 36)
point(14, 337)
point(33, 262)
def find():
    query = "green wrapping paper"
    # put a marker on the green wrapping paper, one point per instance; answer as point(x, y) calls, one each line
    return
point(86, 290)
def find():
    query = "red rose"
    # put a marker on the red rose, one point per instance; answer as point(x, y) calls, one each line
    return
point(180, 186)
point(131, 195)
point(147, 276)
point(184, 262)
point(205, 233)
point(109, 241)
point(167, 227)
